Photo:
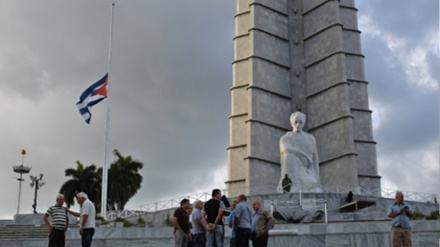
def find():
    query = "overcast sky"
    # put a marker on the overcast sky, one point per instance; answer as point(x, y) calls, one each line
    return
point(170, 99)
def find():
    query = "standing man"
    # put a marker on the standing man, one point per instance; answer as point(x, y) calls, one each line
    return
point(231, 224)
point(198, 229)
point(213, 217)
point(87, 216)
point(262, 221)
point(189, 211)
point(242, 222)
point(400, 212)
point(59, 223)
point(182, 234)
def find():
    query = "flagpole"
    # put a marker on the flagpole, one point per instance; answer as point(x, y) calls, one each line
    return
point(107, 127)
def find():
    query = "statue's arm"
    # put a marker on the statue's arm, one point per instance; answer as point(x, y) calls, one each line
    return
point(286, 146)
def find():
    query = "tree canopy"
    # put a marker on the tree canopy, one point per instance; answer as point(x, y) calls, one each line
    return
point(124, 181)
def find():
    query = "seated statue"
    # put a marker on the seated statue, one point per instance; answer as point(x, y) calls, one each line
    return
point(299, 158)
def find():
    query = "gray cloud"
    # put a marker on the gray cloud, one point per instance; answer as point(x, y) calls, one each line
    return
point(170, 79)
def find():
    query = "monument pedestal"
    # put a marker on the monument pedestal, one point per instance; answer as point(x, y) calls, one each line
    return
point(28, 219)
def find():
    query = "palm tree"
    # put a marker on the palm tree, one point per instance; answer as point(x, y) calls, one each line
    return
point(123, 180)
point(83, 179)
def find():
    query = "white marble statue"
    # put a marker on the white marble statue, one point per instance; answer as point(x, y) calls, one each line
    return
point(299, 157)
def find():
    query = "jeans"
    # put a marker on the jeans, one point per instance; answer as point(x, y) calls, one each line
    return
point(86, 237)
point(218, 234)
point(199, 240)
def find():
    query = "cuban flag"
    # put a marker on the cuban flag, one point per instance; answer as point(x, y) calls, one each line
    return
point(93, 95)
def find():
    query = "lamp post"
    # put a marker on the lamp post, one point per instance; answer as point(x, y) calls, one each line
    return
point(37, 182)
point(21, 169)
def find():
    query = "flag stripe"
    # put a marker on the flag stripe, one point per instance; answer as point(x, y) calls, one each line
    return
point(91, 96)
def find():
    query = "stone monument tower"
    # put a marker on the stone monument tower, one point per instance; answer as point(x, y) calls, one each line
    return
point(301, 55)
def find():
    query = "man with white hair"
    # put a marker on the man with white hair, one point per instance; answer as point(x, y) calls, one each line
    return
point(199, 228)
point(400, 212)
point(87, 219)
point(58, 224)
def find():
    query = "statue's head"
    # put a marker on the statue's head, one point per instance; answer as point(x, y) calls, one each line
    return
point(297, 120)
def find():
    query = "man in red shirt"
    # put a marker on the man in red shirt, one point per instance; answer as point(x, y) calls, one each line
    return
point(182, 234)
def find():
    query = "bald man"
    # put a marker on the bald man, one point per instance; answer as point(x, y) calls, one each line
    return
point(262, 221)
point(400, 212)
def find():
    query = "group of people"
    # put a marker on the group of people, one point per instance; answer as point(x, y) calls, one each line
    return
point(59, 220)
point(201, 224)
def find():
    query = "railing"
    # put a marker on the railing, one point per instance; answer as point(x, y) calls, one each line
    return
point(156, 206)
point(175, 202)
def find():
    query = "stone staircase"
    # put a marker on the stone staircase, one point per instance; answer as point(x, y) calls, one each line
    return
point(14, 232)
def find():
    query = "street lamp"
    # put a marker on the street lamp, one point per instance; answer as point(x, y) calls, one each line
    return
point(37, 182)
point(21, 169)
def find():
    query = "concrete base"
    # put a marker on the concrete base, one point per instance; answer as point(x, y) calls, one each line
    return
point(373, 233)
point(28, 219)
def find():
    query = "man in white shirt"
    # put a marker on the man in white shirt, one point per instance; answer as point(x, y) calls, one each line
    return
point(87, 219)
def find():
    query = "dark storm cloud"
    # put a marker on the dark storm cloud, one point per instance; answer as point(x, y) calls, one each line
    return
point(169, 90)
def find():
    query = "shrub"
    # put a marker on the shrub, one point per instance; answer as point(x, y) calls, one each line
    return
point(125, 221)
point(141, 222)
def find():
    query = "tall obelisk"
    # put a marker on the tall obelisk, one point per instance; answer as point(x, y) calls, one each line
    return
point(302, 55)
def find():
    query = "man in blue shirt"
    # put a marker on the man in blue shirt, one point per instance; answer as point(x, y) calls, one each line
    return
point(198, 227)
point(242, 222)
point(400, 212)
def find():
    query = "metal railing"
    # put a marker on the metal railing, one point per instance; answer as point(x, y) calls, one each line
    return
point(204, 196)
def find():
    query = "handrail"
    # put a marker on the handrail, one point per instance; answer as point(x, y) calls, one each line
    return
point(204, 196)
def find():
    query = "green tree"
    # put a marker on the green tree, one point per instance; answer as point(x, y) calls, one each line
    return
point(124, 180)
point(83, 179)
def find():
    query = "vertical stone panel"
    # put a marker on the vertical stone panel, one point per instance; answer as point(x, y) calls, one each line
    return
point(321, 18)
point(309, 5)
point(268, 107)
point(355, 67)
point(243, 46)
point(243, 23)
point(348, 18)
point(271, 77)
point(326, 74)
point(262, 134)
point(238, 138)
point(271, 48)
point(362, 123)
point(270, 21)
point(277, 5)
point(339, 172)
point(241, 71)
point(328, 106)
point(352, 42)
